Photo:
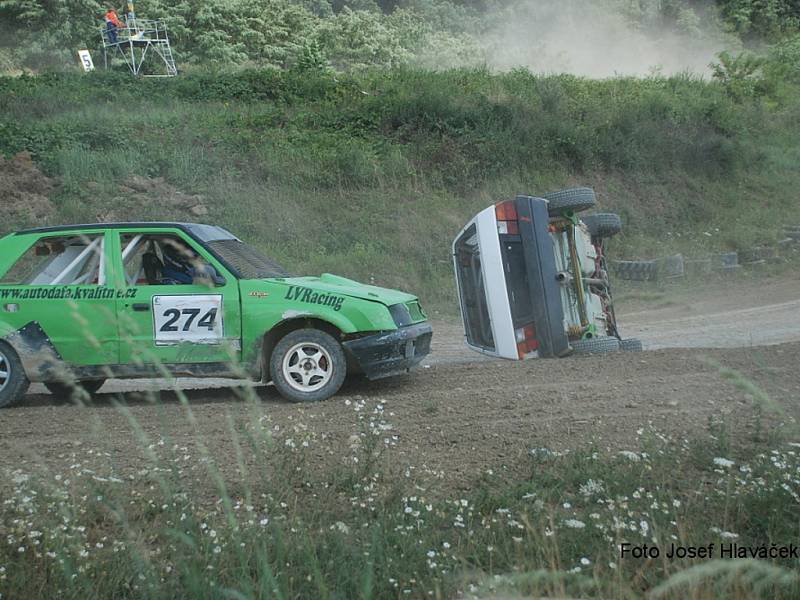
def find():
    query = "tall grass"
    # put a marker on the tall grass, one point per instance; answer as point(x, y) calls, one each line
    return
point(276, 525)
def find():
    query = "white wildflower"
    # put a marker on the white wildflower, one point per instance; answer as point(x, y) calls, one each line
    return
point(591, 487)
point(574, 524)
point(632, 456)
point(342, 527)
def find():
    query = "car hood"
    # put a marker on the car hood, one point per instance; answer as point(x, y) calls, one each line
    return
point(333, 284)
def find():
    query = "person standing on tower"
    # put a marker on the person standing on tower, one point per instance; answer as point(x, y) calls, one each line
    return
point(112, 24)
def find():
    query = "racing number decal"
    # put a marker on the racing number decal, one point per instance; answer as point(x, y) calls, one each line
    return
point(207, 321)
point(190, 318)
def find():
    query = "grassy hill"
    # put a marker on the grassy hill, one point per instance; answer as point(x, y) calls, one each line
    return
point(370, 175)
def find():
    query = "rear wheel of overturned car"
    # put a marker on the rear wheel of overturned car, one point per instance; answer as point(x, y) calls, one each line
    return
point(13, 381)
point(308, 365)
point(603, 225)
point(64, 393)
point(595, 345)
point(570, 201)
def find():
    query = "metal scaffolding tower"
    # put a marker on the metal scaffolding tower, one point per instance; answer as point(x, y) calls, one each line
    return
point(141, 43)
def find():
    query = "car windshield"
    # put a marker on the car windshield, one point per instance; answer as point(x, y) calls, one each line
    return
point(248, 262)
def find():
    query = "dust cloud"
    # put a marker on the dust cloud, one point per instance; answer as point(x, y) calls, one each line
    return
point(594, 39)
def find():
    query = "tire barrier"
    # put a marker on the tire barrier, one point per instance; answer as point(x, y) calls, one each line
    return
point(725, 261)
point(698, 267)
point(675, 266)
point(758, 255)
point(635, 270)
point(671, 266)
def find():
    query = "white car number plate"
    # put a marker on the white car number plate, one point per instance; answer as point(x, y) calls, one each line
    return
point(188, 318)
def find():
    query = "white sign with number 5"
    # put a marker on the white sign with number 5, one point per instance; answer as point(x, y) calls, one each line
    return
point(188, 318)
point(86, 60)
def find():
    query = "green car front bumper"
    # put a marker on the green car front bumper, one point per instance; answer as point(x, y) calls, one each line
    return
point(391, 352)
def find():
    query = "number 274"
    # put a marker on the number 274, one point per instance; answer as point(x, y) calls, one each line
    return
point(173, 315)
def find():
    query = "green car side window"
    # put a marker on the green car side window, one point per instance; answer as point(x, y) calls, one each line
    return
point(163, 259)
point(60, 260)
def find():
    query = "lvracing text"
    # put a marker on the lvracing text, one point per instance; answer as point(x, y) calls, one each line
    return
point(303, 294)
point(66, 293)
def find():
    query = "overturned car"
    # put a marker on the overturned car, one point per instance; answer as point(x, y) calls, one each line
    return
point(532, 278)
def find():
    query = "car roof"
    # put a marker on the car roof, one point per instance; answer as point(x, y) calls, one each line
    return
point(116, 225)
point(199, 231)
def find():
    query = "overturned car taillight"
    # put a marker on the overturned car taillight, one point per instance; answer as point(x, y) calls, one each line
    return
point(526, 340)
point(506, 214)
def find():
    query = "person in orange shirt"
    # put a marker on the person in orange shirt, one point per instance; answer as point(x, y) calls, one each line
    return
point(112, 24)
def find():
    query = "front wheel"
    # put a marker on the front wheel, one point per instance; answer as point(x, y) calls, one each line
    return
point(13, 381)
point(308, 365)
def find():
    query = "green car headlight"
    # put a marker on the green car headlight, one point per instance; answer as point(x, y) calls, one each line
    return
point(400, 314)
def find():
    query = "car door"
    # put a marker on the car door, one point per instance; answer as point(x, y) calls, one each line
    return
point(56, 298)
point(178, 305)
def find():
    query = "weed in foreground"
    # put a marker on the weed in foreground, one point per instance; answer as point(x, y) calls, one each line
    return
point(281, 526)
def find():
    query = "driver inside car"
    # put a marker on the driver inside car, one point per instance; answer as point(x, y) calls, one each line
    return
point(178, 265)
point(184, 266)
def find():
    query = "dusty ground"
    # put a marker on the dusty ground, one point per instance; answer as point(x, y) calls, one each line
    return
point(460, 415)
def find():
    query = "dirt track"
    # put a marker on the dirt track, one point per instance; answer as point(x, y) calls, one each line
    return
point(461, 414)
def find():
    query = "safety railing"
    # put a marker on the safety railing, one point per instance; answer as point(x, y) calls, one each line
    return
point(136, 30)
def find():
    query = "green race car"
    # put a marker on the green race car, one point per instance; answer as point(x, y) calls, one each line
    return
point(80, 304)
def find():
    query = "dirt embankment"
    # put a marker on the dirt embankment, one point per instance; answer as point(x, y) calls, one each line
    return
point(138, 192)
point(25, 190)
point(26, 194)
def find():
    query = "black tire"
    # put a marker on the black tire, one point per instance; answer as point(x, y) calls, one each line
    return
point(635, 270)
point(326, 374)
point(14, 383)
point(595, 345)
point(631, 345)
point(572, 201)
point(603, 225)
point(63, 393)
